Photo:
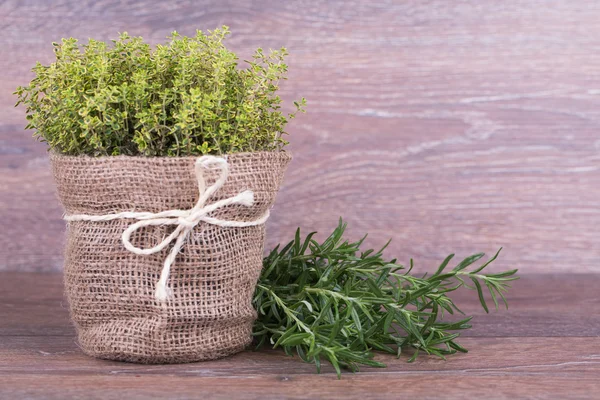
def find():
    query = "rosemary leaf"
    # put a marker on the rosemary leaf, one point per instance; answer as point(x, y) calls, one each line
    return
point(337, 302)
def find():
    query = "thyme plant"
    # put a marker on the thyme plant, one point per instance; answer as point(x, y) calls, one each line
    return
point(187, 97)
point(336, 302)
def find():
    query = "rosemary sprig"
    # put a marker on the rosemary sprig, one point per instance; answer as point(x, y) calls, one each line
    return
point(332, 301)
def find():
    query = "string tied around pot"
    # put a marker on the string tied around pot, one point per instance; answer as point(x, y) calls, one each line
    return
point(184, 220)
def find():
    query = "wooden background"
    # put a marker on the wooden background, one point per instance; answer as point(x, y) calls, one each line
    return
point(449, 126)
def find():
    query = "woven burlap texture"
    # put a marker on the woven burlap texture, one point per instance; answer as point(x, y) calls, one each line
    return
point(111, 290)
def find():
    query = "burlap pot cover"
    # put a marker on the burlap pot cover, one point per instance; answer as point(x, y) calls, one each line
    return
point(111, 290)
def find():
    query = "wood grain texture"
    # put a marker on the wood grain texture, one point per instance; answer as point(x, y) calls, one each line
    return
point(456, 126)
point(36, 307)
point(39, 358)
point(58, 371)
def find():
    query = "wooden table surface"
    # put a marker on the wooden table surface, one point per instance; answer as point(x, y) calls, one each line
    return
point(546, 346)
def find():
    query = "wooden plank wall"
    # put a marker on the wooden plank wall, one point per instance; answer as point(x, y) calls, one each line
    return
point(456, 126)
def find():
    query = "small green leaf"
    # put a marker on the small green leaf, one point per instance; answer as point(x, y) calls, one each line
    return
point(480, 294)
point(468, 261)
point(443, 265)
point(295, 339)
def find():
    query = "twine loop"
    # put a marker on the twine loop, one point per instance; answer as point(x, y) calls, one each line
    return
point(184, 220)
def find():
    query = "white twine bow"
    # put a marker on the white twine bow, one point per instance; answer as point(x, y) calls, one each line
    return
point(185, 220)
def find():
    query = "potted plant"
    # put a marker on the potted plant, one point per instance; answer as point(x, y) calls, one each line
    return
point(167, 161)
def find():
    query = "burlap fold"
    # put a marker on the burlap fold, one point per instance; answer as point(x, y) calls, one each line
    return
point(111, 290)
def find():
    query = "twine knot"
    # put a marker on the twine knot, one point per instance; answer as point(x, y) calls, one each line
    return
point(184, 220)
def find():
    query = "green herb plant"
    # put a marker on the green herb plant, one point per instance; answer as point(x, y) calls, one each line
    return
point(187, 97)
point(333, 301)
